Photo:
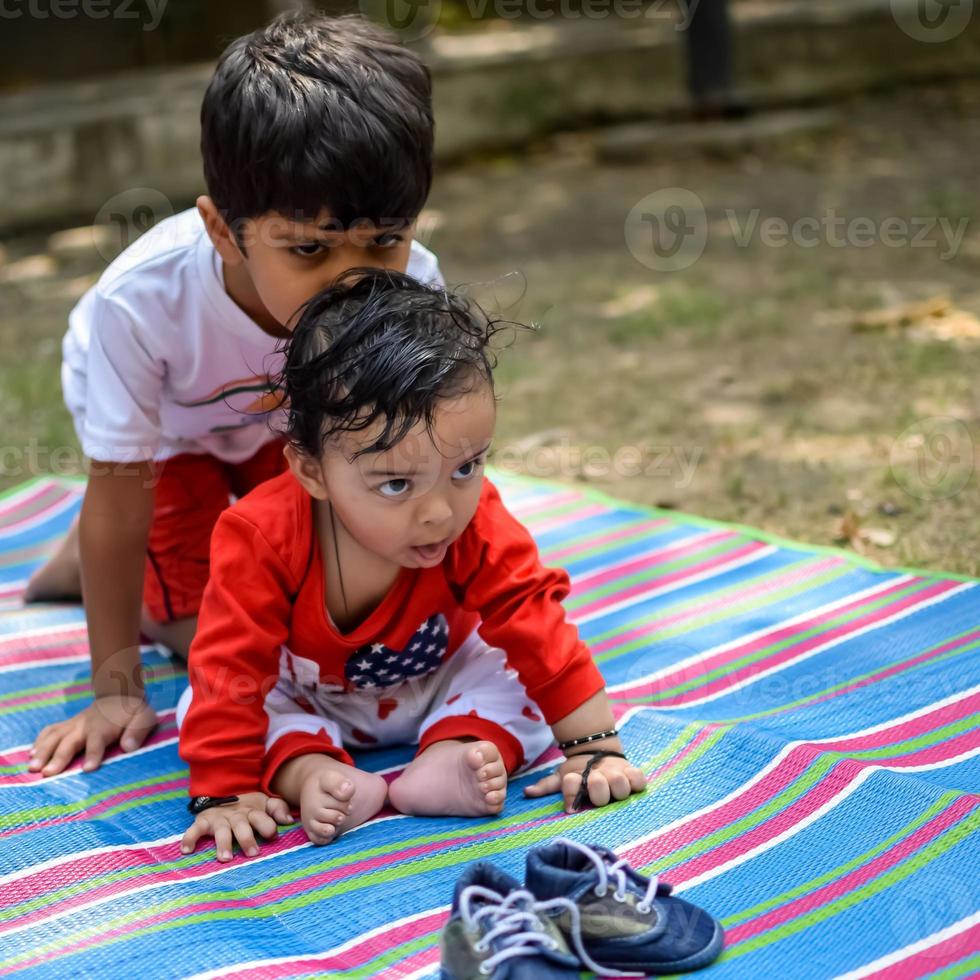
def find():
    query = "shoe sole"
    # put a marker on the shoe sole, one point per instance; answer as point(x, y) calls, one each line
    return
point(695, 961)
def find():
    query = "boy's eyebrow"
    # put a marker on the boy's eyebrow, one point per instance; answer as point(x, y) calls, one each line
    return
point(399, 473)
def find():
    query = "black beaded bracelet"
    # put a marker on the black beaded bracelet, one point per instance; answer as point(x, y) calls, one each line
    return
point(571, 743)
point(201, 803)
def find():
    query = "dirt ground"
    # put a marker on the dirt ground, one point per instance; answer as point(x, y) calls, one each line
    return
point(739, 387)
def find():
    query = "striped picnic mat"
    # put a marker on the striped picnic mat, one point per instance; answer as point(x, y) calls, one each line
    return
point(809, 726)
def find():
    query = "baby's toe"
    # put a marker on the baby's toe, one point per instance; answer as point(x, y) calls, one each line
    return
point(336, 784)
point(320, 831)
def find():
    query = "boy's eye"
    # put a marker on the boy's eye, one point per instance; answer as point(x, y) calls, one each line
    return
point(394, 488)
point(388, 240)
point(308, 249)
point(467, 469)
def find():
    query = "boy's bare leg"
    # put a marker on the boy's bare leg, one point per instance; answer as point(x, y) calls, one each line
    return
point(176, 635)
point(453, 777)
point(60, 577)
point(332, 797)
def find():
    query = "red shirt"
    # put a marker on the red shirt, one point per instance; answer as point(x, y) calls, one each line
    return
point(267, 591)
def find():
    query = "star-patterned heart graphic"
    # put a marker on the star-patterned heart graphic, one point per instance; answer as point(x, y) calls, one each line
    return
point(375, 666)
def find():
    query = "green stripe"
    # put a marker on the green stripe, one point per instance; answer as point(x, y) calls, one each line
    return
point(652, 573)
point(681, 518)
point(151, 675)
point(956, 652)
point(483, 848)
point(910, 745)
point(49, 810)
point(813, 884)
point(557, 511)
point(969, 967)
point(915, 862)
point(733, 666)
point(711, 618)
point(600, 549)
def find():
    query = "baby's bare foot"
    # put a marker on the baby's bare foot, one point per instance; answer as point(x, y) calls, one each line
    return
point(452, 778)
point(335, 797)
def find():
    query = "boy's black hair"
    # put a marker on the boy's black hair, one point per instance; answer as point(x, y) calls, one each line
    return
point(315, 112)
point(378, 344)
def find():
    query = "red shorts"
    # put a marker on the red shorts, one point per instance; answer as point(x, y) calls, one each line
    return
point(192, 489)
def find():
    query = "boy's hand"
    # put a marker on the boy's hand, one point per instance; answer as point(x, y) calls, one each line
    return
point(611, 778)
point(104, 722)
point(238, 822)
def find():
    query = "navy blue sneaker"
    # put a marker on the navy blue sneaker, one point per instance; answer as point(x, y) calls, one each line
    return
point(639, 926)
point(497, 929)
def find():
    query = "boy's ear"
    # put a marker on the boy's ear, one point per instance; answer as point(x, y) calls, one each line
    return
point(218, 231)
point(307, 471)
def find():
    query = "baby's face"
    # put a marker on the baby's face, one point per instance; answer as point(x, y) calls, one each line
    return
point(410, 503)
point(290, 261)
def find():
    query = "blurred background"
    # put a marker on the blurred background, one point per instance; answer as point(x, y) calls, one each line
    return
point(748, 232)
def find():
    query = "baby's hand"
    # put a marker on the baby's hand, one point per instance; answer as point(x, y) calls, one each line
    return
point(611, 778)
point(237, 822)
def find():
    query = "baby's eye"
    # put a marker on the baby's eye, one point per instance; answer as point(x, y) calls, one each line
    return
point(467, 469)
point(394, 488)
point(308, 249)
point(388, 240)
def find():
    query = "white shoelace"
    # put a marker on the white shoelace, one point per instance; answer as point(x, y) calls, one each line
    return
point(615, 868)
point(514, 920)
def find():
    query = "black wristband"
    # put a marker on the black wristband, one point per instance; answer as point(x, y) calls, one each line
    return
point(201, 803)
point(572, 742)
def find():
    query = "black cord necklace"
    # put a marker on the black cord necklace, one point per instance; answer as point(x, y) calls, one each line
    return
point(336, 551)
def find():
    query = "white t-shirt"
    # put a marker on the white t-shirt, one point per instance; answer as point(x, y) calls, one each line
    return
point(159, 360)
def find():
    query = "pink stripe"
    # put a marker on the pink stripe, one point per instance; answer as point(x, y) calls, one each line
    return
point(567, 519)
point(851, 882)
point(637, 590)
point(907, 729)
point(163, 733)
point(8, 530)
point(932, 958)
point(887, 672)
point(24, 502)
point(99, 807)
point(14, 644)
point(651, 559)
point(934, 754)
point(32, 656)
point(787, 654)
point(545, 502)
point(723, 602)
point(625, 532)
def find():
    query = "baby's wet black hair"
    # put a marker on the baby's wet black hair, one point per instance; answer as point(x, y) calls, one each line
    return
point(314, 112)
point(380, 345)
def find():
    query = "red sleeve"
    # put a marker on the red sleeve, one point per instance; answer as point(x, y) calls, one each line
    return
point(494, 569)
point(234, 659)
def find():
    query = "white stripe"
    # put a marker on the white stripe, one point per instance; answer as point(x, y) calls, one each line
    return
point(31, 489)
point(675, 545)
point(682, 583)
point(28, 523)
point(813, 818)
point(78, 625)
point(334, 951)
point(747, 638)
point(820, 648)
point(35, 664)
point(911, 716)
point(908, 951)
